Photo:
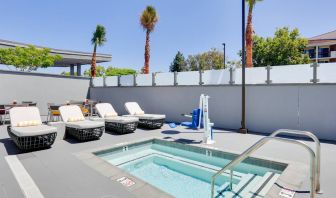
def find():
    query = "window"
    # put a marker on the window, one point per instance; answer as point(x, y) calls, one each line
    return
point(310, 52)
point(323, 52)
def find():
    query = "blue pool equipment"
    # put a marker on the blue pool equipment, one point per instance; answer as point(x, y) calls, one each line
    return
point(194, 119)
point(172, 125)
point(200, 119)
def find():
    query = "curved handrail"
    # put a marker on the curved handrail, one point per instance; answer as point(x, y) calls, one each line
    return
point(256, 146)
point(317, 149)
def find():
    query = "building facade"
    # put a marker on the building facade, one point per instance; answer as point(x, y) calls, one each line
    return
point(69, 59)
point(322, 48)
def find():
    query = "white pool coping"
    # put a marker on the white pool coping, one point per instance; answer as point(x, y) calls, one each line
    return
point(25, 181)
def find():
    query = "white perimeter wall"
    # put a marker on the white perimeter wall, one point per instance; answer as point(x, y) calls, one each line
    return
point(269, 107)
point(304, 106)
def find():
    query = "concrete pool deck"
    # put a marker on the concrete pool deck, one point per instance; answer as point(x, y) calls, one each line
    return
point(58, 172)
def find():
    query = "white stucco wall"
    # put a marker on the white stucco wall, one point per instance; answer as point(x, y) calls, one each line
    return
point(41, 88)
point(268, 107)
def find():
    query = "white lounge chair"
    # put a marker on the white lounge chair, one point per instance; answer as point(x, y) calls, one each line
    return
point(27, 131)
point(151, 121)
point(115, 123)
point(77, 126)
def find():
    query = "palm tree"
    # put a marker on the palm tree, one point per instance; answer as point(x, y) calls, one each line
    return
point(249, 34)
point(148, 19)
point(98, 39)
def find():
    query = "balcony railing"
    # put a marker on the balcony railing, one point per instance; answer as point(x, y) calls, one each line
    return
point(332, 54)
point(320, 55)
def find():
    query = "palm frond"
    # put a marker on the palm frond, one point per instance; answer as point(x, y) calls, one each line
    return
point(149, 18)
point(251, 3)
point(98, 37)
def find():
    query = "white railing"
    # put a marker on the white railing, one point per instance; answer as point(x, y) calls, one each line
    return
point(332, 54)
point(216, 77)
point(188, 78)
point(163, 79)
point(111, 81)
point(127, 80)
point(308, 73)
point(314, 158)
point(144, 80)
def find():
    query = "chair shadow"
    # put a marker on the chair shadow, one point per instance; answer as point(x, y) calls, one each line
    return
point(72, 140)
point(170, 132)
point(147, 129)
point(175, 132)
point(10, 147)
point(183, 140)
point(116, 134)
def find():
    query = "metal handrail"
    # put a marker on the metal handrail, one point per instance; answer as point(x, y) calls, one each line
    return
point(317, 150)
point(256, 146)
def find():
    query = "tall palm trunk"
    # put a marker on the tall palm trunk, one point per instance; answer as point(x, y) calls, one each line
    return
point(249, 39)
point(147, 53)
point(93, 62)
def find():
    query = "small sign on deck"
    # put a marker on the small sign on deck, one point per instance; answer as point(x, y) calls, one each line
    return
point(287, 193)
point(126, 181)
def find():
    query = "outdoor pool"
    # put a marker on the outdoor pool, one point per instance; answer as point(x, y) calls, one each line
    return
point(185, 171)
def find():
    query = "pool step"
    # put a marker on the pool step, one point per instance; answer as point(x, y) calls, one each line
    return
point(223, 188)
point(145, 154)
point(250, 186)
point(263, 186)
point(209, 167)
point(241, 186)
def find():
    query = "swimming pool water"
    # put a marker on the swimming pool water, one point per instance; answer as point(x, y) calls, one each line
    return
point(167, 176)
point(185, 171)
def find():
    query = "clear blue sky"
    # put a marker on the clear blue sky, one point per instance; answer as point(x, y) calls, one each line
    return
point(191, 26)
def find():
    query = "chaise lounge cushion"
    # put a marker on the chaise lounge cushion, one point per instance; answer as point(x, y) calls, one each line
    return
point(122, 119)
point(105, 110)
point(29, 123)
point(71, 111)
point(86, 124)
point(23, 115)
point(76, 119)
point(134, 109)
point(149, 116)
point(33, 130)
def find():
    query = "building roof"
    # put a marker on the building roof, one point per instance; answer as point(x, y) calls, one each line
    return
point(328, 38)
point(69, 56)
